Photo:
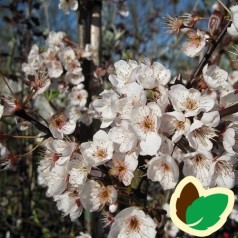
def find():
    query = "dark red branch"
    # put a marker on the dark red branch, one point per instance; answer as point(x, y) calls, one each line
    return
point(229, 110)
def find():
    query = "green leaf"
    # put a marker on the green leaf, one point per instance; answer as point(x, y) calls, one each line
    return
point(205, 212)
point(51, 94)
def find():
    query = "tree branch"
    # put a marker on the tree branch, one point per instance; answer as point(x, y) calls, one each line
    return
point(229, 110)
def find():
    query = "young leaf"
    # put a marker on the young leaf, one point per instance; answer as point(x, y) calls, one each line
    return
point(187, 196)
point(205, 212)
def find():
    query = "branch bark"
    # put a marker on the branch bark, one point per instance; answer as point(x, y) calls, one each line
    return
point(95, 36)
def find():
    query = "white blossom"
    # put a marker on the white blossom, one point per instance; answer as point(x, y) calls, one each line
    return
point(191, 101)
point(100, 150)
point(94, 195)
point(79, 170)
point(67, 5)
point(145, 122)
point(163, 169)
point(215, 77)
point(176, 124)
point(200, 136)
point(195, 43)
point(150, 76)
point(69, 203)
point(222, 171)
point(123, 136)
point(60, 126)
point(55, 40)
point(123, 73)
point(198, 164)
point(106, 107)
point(78, 96)
point(123, 167)
point(132, 222)
point(57, 180)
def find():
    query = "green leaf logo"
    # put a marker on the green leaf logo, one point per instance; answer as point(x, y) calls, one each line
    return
point(198, 211)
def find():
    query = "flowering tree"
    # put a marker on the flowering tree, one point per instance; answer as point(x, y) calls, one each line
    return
point(122, 151)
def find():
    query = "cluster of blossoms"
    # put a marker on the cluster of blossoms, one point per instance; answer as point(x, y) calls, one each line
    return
point(148, 119)
point(197, 39)
point(57, 68)
point(145, 114)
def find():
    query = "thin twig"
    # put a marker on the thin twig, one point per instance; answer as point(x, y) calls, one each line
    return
point(229, 110)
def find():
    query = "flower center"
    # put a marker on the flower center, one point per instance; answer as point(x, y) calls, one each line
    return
point(190, 104)
point(165, 167)
point(101, 153)
point(134, 223)
point(58, 120)
point(197, 41)
point(148, 124)
point(104, 195)
point(179, 124)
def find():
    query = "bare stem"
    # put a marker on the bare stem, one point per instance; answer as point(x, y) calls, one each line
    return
point(39, 126)
point(229, 110)
point(26, 137)
point(33, 149)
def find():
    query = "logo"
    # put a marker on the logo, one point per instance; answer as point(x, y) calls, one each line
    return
point(199, 211)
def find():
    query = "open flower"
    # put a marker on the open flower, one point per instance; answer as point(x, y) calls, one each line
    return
point(215, 77)
point(195, 43)
point(145, 122)
point(200, 136)
point(176, 124)
point(94, 195)
point(10, 105)
point(222, 171)
point(123, 167)
point(123, 73)
point(191, 101)
point(58, 152)
point(79, 170)
point(132, 222)
point(230, 136)
point(67, 5)
point(55, 40)
point(123, 136)
point(173, 24)
point(98, 151)
point(78, 96)
point(60, 126)
point(57, 180)
point(198, 164)
point(163, 169)
point(69, 203)
point(150, 76)
point(106, 107)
